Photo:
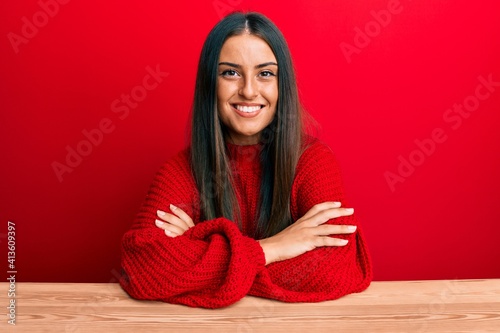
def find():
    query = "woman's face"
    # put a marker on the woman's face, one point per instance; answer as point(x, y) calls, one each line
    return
point(247, 87)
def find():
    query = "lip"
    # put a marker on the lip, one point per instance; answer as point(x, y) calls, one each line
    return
point(247, 104)
point(248, 114)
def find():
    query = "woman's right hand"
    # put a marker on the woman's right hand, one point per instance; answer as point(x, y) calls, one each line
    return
point(308, 233)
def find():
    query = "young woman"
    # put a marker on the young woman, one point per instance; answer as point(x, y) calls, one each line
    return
point(254, 206)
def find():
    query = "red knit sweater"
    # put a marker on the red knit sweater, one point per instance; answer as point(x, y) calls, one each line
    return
point(214, 264)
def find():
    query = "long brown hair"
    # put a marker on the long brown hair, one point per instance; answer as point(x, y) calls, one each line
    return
point(281, 139)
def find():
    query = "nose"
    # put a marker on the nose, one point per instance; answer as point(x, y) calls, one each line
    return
point(249, 88)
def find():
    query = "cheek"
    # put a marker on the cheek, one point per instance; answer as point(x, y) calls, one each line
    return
point(221, 99)
point(220, 90)
point(226, 89)
point(271, 94)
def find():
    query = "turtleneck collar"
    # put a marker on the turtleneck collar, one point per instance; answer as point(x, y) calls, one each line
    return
point(244, 154)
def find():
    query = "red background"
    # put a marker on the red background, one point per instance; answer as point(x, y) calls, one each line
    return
point(441, 222)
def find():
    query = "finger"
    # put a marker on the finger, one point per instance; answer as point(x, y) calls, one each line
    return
point(171, 234)
point(329, 214)
point(172, 219)
point(330, 241)
point(182, 215)
point(169, 228)
point(320, 207)
point(332, 229)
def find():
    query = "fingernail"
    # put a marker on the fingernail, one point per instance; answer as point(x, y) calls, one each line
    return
point(160, 213)
point(351, 228)
point(172, 207)
point(159, 223)
point(343, 241)
point(337, 204)
point(349, 210)
point(168, 233)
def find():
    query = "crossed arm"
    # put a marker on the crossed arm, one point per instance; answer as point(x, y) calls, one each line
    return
point(168, 257)
point(306, 234)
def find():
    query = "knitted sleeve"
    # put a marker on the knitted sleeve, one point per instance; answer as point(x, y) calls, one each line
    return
point(325, 273)
point(211, 265)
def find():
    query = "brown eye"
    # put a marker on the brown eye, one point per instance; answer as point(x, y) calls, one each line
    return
point(229, 73)
point(267, 74)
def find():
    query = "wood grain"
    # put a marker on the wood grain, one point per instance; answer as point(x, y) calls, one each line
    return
point(403, 306)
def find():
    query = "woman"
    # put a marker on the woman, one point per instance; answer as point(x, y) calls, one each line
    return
point(254, 206)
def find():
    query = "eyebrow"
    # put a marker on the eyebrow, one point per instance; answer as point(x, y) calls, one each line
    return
point(270, 63)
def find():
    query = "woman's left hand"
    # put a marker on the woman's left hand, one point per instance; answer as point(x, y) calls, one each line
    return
point(174, 224)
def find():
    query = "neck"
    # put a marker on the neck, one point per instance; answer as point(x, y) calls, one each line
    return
point(243, 140)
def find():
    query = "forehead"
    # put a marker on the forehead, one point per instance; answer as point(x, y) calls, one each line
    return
point(246, 49)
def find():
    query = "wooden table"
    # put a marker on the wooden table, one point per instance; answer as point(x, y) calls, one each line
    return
point(408, 306)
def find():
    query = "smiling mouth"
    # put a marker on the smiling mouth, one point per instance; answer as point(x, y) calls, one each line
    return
point(247, 109)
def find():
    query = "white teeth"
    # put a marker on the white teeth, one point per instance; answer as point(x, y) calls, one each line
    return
point(247, 109)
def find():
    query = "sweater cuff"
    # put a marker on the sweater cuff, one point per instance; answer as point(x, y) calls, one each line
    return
point(256, 254)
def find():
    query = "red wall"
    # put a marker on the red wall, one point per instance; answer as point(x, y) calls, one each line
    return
point(399, 87)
